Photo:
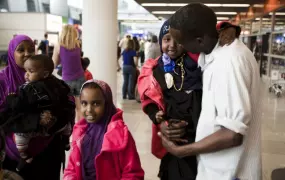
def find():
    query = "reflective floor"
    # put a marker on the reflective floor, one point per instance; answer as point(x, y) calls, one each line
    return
point(273, 134)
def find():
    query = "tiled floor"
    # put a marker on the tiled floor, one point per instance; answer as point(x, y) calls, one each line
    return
point(273, 133)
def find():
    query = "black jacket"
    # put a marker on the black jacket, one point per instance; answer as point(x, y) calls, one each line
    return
point(24, 109)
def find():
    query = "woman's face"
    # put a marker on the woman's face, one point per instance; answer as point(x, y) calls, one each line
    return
point(92, 104)
point(23, 52)
point(171, 47)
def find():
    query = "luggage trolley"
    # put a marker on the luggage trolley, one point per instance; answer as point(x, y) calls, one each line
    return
point(277, 77)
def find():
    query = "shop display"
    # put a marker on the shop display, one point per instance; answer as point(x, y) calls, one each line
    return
point(278, 44)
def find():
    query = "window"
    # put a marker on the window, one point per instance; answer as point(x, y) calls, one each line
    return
point(31, 6)
point(46, 8)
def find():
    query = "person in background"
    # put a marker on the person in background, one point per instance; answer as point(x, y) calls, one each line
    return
point(124, 42)
point(130, 64)
point(85, 64)
point(44, 45)
point(102, 147)
point(68, 54)
point(141, 51)
point(153, 49)
point(228, 137)
point(136, 44)
point(36, 43)
point(119, 51)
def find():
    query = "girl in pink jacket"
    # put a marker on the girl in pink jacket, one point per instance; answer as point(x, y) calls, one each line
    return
point(102, 146)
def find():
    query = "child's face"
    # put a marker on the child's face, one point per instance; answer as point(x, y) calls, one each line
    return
point(92, 104)
point(34, 71)
point(171, 47)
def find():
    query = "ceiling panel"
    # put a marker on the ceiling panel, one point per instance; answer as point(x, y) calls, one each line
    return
point(165, 9)
point(203, 1)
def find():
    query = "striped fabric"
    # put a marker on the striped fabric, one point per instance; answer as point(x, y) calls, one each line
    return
point(9, 175)
point(231, 100)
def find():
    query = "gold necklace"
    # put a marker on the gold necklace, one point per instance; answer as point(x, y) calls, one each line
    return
point(181, 65)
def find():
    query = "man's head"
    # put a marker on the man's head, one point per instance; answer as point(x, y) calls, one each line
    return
point(85, 63)
point(194, 26)
point(46, 35)
point(128, 37)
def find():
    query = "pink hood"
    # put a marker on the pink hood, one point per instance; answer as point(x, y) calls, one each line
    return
point(118, 159)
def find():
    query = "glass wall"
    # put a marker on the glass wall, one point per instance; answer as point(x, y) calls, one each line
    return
point(267, 40)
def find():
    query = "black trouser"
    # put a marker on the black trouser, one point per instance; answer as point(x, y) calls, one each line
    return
point(45, 166)
point(174, 168)
point(142, 57)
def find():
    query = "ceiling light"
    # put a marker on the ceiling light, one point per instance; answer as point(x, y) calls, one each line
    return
point(229, 13)
point(278, 13)
point(264, 19)
point(235, 5)
point(222, 18)
point(184, 4)
point(214, 5)
point(164, 4)
point(163, 12)
point(172, 12)
point(258, 5)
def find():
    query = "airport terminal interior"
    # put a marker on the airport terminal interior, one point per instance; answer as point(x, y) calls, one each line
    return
point(107, 32)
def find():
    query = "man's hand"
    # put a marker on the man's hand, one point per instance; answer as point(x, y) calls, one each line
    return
point(174, 131)
point(170, 146)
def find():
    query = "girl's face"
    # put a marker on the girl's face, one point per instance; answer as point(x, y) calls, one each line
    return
point(23, 52)
point(92, 104)
point(171, 47)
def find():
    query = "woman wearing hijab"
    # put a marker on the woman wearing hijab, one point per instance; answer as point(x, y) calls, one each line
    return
point(102, 147)
point(47, 164)
point(171, 93)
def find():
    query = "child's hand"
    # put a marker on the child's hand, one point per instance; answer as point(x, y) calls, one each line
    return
point(159, 117)
point(46, 119)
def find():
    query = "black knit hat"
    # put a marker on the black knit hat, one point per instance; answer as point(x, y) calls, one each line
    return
point(164, 30)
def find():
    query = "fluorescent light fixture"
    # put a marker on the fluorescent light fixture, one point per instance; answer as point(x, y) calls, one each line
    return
point(263, 19)
point(278, 13)
point(222, 18)
point(172, 12)
point(258, 5)
point(163, 12)
point(235, 5)
point(164, 4)
point(184, 4)
point(228, 13)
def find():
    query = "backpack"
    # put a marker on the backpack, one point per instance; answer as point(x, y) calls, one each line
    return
point(42, 47)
